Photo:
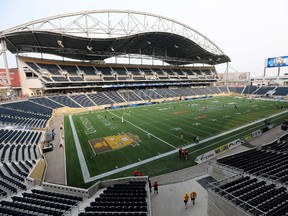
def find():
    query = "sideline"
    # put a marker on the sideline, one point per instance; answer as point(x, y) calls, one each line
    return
point(83, 165)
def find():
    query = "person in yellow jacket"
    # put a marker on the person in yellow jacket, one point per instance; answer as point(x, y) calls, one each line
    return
point(186, 198)
point(193, 196)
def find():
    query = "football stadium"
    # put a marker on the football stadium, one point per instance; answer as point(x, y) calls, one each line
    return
point(105, 103)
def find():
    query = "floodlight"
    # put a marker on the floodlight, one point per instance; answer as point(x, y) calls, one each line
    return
point(60, 43)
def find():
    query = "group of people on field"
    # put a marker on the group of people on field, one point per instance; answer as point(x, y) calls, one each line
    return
point(183, 153)
point(137, 173)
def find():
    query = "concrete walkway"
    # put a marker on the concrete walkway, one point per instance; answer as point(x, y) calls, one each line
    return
point(56, 170)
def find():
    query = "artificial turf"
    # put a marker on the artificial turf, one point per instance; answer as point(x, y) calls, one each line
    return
point(170, 125)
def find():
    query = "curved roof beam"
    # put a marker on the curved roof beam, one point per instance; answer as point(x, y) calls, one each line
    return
point(114, 23)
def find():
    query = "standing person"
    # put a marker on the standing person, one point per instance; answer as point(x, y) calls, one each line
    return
point(149, 135)
point(186, 198)
point(181, 136)
point(155, 187)
point(186, 154)
point(61, 126)
point(150, 185)
point(193, 196)
point(61, 142)
point(183, 154)
point(180, 152)
point(135, 173)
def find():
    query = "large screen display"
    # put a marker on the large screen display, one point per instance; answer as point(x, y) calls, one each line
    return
point(277, 61)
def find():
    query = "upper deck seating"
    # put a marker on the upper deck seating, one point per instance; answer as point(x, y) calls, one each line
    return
point(134, 71)
point(88, 70)
point(71, 70)
point(106, 71)
point(120, 71)
point(51, 68)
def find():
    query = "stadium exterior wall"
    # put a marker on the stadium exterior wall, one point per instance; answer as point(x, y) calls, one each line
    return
point(219, 173)
point(28, 86)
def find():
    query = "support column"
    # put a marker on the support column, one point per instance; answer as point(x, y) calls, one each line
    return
point(3, 51)
point(226, 74)
point(279, 69)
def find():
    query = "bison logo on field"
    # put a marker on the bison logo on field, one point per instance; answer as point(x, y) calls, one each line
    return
point(109, 143)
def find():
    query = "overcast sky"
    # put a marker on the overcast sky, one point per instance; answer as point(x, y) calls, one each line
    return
point(248, 31)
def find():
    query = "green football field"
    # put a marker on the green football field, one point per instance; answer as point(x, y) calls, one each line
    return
point(158, 129)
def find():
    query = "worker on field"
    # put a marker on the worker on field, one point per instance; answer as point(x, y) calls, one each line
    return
point(135, 173)
point(155, 187)
point(180, 152)
point(186, 198)
point(193, 196)
point(181, 136)
point(186, 154)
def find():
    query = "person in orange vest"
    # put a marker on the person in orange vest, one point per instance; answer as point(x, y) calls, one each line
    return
point(193, 196)
point(135, 173)
point(186, 198)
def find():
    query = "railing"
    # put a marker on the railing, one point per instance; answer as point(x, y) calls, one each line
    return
point(235, 201)
point(226, 167)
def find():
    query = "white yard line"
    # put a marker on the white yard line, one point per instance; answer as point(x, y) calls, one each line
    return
point(145, 131)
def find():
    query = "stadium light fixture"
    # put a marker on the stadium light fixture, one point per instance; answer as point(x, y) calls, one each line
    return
point(89, 48)
point(60, 43)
